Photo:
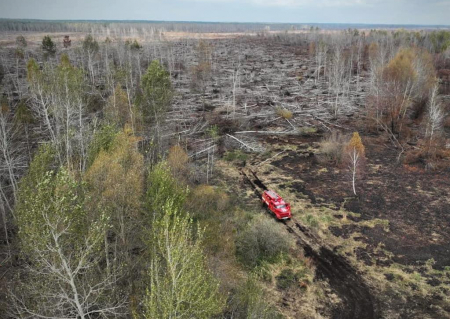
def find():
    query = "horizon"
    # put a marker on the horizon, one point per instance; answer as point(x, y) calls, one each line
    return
point(221, 22)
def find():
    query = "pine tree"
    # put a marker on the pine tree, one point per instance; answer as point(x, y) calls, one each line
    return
point(48, 45)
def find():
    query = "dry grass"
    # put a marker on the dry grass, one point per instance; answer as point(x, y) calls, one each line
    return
point(284, 113)
point(332, 147)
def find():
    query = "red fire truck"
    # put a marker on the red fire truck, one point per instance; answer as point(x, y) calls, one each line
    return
point(276, 205)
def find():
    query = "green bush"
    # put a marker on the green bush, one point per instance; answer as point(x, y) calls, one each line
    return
point(263, 240)
point(236, 155)
point(103, 139)
point(134, 45)
point(287, 278)
point(311, 220)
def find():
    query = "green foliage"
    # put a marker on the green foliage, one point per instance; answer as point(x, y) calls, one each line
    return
point(43, 161)
point(33, 71)
point(162, 187)
point(210, 206)
point(62, 97)
point(262, 241)
point(117, 109)
point(48, 45)
point(287, 278)
point(69, 78)
point(440, 40)
point(115, 185)
point(102, 141)
point(249, 302)
point(63, 242)
point(157, 92)
point(90, 45)
point(180, 284)
point(19, 54)
point(311, 220)
point(53, 204)
point(47, 199)
point(236, 155)
point(21, 42)
point(23, 115)
point(213, 132)
point(134, 45)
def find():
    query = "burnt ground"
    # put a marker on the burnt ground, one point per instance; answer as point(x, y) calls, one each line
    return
point(415, 203)
point(357, 300)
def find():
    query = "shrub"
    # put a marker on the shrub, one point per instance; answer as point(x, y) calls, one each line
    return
point(308, 130)
point(21, 42)
point(263, 240)
point(178, 160)
point(249, 302)
point(236, 155)
point(135, 45)
point(284, 113)
point(311, 221)
point(205, 201)
point(287, 278)
point(331, 147)
point(211, 208)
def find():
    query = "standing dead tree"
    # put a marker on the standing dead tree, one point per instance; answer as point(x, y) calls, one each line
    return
point(337, 77)
point(435, 118)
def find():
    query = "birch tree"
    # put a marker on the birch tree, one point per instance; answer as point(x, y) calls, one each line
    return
point(115, 188)
point(435, 118)
point(57, 96)
point(63, 245)
point(181, 286)
point(355, 157)
point(158, 93)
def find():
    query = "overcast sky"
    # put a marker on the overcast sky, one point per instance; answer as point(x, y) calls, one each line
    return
point(290, 11)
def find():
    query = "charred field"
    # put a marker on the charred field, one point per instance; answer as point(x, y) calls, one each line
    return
point(276, 110)
point(393, 236)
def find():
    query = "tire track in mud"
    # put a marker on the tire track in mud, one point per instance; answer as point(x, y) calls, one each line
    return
point(344, 280)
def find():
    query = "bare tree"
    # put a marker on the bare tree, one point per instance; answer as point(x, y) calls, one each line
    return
point(435, 116)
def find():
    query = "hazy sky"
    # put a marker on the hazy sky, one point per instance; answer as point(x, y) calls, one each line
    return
point(290, 11)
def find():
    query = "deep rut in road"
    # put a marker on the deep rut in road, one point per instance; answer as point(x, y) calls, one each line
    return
point(344, 280)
